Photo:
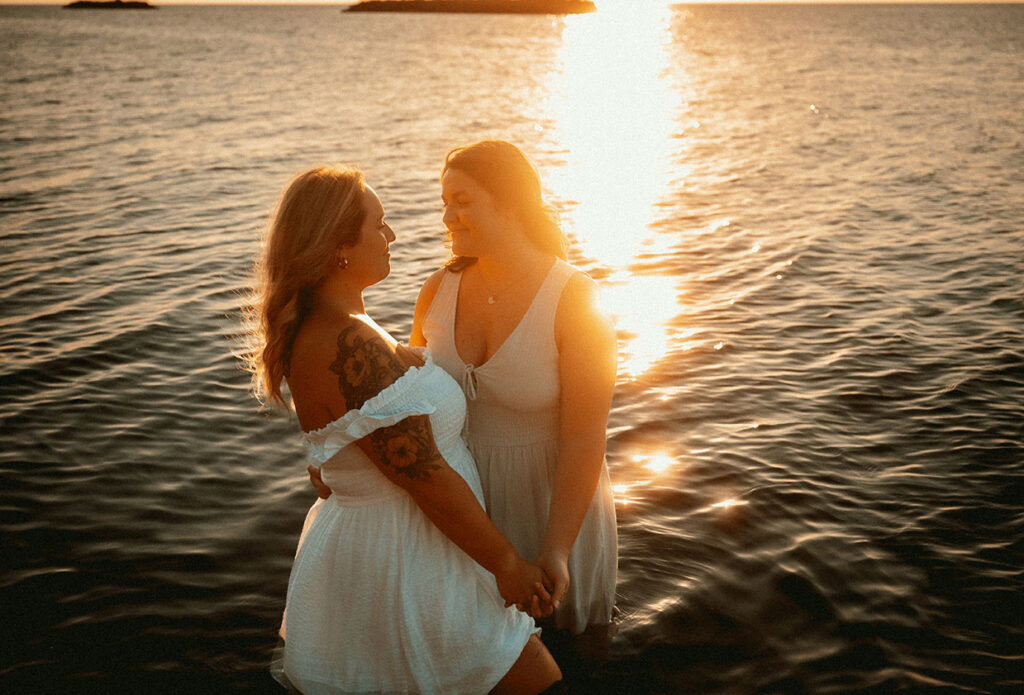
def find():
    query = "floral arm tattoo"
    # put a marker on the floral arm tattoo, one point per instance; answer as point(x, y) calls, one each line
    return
point(407, 447)
point(364, 368)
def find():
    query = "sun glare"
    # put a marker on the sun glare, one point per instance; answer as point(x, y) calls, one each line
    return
point(621, 5)
point(646, 467)
point(642, 307)
point(615, 121)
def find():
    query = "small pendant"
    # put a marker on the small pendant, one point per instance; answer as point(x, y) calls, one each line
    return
point(490, 300)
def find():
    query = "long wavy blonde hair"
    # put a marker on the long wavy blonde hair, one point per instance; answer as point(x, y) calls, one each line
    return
point(320, 211)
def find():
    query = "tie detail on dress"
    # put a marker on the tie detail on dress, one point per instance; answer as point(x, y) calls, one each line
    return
point(469, 381)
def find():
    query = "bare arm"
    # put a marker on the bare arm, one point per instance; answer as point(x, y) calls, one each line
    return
point(407, 454)
point(541, 604)
point(586, 367)
point(423, 302)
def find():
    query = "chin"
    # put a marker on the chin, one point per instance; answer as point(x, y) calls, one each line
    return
point(382, 276)
point(461, 249)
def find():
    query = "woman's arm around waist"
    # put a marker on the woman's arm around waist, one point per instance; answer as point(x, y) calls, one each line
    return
point(406, 453)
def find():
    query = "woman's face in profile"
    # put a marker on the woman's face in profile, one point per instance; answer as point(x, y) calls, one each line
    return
point(475, 224)
point(370, 255)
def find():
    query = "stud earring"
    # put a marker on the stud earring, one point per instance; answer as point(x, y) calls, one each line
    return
point(343, 263)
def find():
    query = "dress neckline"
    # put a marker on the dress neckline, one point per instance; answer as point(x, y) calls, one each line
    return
point(508, 338)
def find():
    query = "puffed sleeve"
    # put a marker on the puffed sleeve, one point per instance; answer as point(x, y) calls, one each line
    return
point(401, 399)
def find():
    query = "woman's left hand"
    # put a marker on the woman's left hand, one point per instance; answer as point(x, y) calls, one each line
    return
point(556, 571)
point(314, 477)
point(521, 584)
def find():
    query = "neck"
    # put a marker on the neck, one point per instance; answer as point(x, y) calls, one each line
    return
point(513, 261)
point(336, 297)
point(504, 277)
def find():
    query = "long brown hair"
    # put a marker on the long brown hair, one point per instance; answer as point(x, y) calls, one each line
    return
point(510, 178)
point(320, 211)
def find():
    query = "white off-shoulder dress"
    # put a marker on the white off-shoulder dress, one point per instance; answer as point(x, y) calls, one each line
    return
point(512, 431)
point(379, 600)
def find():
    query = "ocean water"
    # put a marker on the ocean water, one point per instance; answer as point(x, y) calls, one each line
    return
point(809, 226)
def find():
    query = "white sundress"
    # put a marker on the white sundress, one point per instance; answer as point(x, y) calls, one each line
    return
point(512, 432)
point(379, 599)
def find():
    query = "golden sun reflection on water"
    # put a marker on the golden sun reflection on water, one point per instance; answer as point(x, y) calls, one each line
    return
point(649, 468)
point(642, 306)
point(616, 131)
point(615, 123)
point(645, 468)
point(731, 502)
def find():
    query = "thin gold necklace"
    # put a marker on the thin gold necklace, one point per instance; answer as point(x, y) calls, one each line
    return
point(491, 299)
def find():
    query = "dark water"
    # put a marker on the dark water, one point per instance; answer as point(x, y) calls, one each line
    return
point(810, 224)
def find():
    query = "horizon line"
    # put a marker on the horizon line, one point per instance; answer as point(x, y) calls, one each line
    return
point(669, 3)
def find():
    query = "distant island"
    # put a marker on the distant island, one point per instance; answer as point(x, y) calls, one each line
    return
point(476, 6)
point(109, 5)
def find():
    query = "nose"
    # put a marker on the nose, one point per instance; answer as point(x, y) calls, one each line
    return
point(390, 234)
point(449, 216)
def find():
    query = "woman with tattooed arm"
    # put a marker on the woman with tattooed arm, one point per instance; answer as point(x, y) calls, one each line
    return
point(401, 583)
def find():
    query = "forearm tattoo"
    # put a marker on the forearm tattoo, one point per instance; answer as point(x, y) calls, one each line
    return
point(364, 368)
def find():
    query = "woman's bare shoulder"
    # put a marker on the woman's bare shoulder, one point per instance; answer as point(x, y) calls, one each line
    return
point(337, 367)
point(423, 303)
point(430, 287)
point(581, 317)
point(581, 297)
point(580, 282)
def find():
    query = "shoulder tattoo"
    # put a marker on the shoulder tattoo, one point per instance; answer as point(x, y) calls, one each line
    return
point(364, 367)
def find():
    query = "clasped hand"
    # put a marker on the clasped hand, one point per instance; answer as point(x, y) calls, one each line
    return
point(534, 588)
point(525, 585)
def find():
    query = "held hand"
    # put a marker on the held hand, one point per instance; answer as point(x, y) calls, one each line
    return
point(314, 478)
point(556, 574)
point(521, 584)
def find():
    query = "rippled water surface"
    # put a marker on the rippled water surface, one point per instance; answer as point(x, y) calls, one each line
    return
point(809, 222)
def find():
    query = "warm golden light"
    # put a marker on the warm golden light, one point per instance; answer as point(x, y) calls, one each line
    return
point(660, 464)
point(725, 504)
point(645, 467)
point(615, 122)
point(614, 117)
point(655, 462)
point(641, 306)
point(622, 496)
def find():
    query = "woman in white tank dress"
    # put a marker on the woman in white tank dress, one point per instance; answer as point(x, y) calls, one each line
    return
point(400, 584)
point(521, 331)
